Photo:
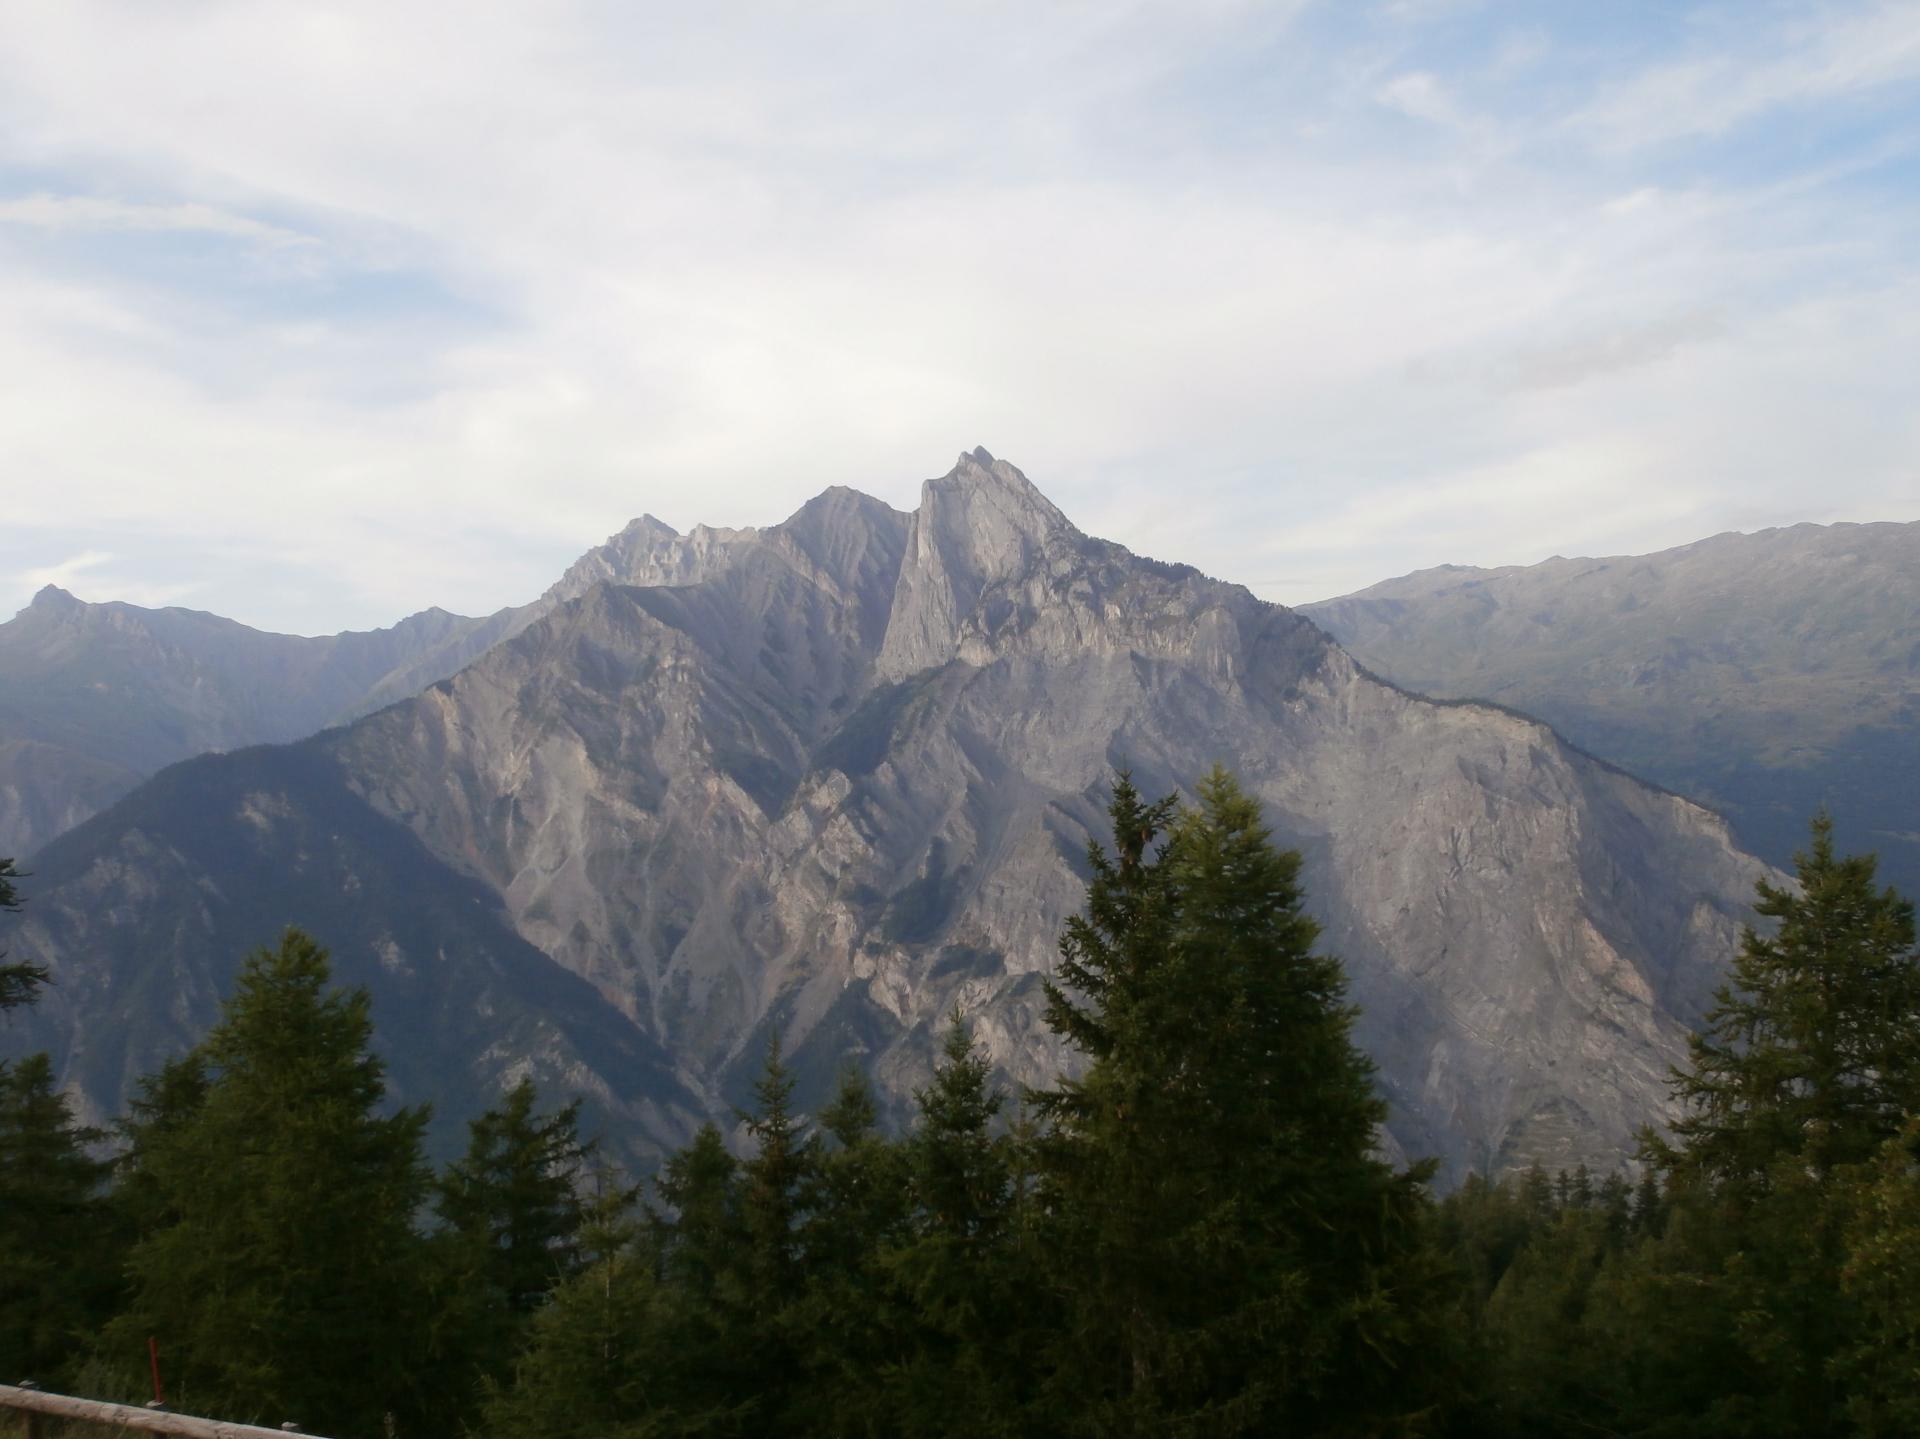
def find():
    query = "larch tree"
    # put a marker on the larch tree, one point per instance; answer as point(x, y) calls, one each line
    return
point(284, 1280)
point(59, 1249)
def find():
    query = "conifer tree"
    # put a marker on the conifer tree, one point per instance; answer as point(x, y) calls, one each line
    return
point(700, 1239)
point(1649, 1209)
point(957, 1271)
point(1812, 1049)
point(1809, 1063)
point(1881, 1276)
point(773, 1185)
point(512, 1213)
point(1615, 1200)
point(514, 1196)
point(593, 1366)
point(704, 1322)
point(58, 1247)
point(855, 1212)
point(19, 982)
point(284, 1281)
point(1237, 1259)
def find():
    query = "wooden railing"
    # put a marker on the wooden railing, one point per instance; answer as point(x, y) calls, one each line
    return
point(36, 1403)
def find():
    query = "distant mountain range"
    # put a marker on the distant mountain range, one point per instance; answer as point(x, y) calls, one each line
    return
point(837, 776)
point(1765, 674)
point(95, 698)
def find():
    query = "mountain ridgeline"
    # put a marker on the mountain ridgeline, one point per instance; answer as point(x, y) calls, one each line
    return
point(95, 698)
point(837, 778)
point(1767, 675)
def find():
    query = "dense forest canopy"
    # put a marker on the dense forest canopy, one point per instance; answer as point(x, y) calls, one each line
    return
point(1193, 1235)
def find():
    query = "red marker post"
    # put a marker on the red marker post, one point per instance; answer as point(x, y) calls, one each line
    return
point(153, 1363)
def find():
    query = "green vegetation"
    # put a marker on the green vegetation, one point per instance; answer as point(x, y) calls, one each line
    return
point(1190, 1234)
point(18, 982)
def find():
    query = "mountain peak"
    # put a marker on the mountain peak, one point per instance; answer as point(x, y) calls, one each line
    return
point(54, 600)
point(993, 496)
point(981, 524)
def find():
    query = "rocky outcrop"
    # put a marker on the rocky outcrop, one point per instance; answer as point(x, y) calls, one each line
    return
point(838, 777)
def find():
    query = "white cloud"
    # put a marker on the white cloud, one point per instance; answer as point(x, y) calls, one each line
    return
point(1811, 61)
point(97, 575)
point(705, 266)
point(1420, 96)
point(85, 213)
point(63, 573)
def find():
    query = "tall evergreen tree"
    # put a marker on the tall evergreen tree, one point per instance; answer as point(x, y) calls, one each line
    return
point(848, 1318)
point(1238, 1260)
point(1811, 1051)
point(593, 1365)
point(773, 1185)
point(514, 1197)
point(1879, 1366)
point(956, 1269)
point(59, 1250)
point(19, 982)
point(1809, 1063)
point(512, 1212)
point(285, 1279)
point(163, 1103)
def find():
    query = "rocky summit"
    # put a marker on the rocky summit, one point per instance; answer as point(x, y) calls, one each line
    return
point(837, 777)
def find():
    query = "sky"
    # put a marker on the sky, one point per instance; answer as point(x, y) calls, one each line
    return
point(317, 315)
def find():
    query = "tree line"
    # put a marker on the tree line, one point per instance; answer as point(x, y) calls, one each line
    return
point(1194, 1236)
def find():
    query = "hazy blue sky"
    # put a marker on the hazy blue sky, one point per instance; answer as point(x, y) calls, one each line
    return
point(318, 314)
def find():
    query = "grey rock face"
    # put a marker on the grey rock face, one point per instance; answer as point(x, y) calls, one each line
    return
point(1765, 674)
point(839, 776)
point(96, 697)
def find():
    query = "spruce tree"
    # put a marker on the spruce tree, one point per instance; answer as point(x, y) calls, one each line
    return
point(849, 1319)
point(58, 1245)
point(1808, 1064)
point(19, 983)
point(284, 1279)
point(701, 1237)
point(773, 1186)
point(1238, 1260)
point(1877, 1366)
point(512, 1213)
point(956, 1270)
point(705, 1322)
point(593, 1365)
point(514, 1197)
point(1811, 1051)
point(774, 1183)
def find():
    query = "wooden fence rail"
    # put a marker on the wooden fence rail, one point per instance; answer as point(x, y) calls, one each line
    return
point(128, 1416)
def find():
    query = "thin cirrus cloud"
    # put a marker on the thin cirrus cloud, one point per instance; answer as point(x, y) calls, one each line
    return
point(318, 317)
point(90, 213)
